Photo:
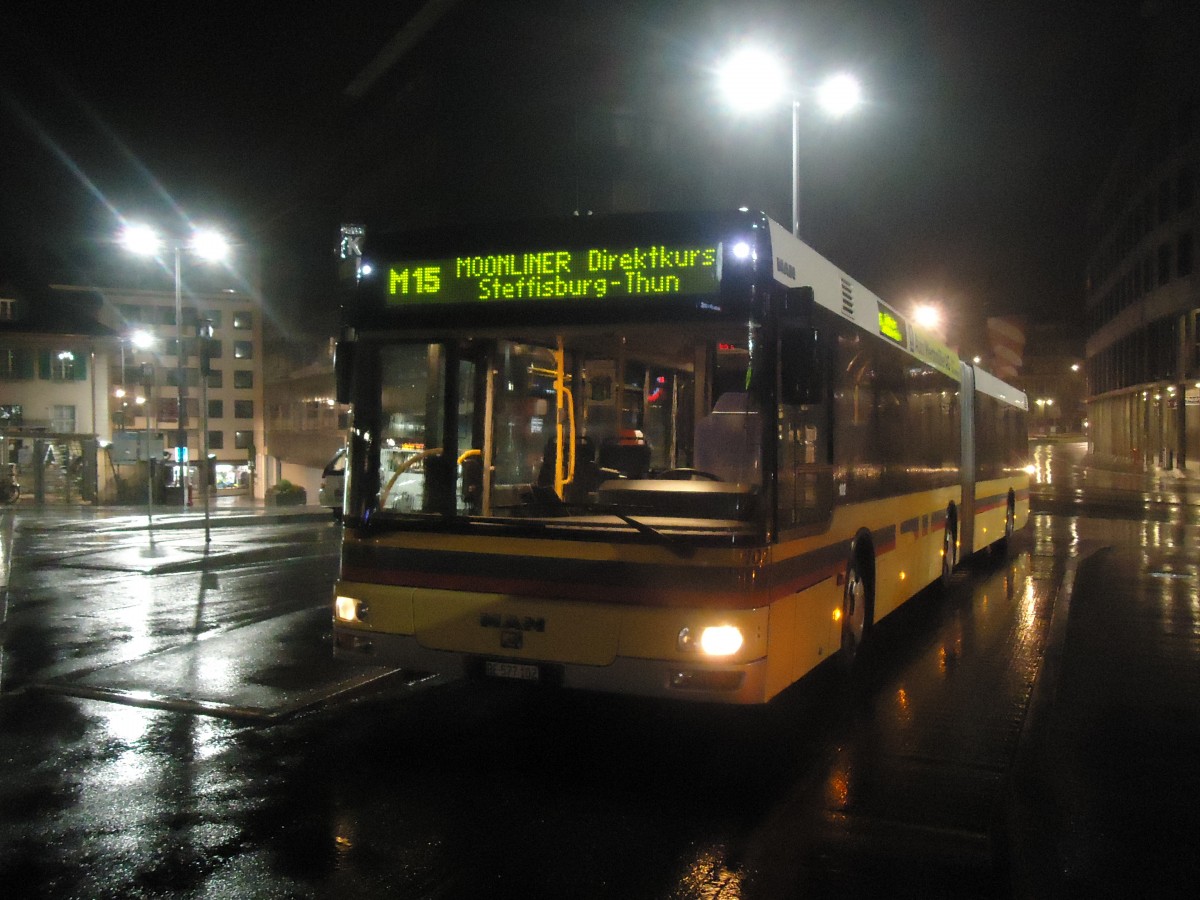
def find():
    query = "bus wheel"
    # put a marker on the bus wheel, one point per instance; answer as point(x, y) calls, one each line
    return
point(856, 620)
point(949, 549)
point(1000, 548)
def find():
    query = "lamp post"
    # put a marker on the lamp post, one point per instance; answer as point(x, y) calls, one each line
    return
point(143, 340)
point(207, 244)
point(752, 80)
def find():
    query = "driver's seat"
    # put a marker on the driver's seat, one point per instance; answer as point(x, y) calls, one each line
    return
point(729, 440)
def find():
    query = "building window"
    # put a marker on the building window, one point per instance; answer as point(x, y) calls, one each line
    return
point(216, 379)
point(243, 409)
point(214, 317)
point(243, 321)
point(64, 366)
point(62, 419)
point(243, 350)
point(8, 309)
point(243, 378)
point(243, 440)
point(216, 409)
point(216, 440)
point(61, 365)
point(16, 364)
point(191, 377)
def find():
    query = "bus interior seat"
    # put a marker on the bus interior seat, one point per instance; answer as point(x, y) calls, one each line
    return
point(587, 473)
point(630, 458)
point(729, 438)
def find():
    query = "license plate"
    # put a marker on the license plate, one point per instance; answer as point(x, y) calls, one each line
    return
point(519, 671)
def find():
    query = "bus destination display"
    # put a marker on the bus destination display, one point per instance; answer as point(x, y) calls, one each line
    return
point(592, 273)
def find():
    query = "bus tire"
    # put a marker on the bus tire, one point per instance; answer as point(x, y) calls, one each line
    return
point(1000, 548)
point(857, 606)
point(949, 547)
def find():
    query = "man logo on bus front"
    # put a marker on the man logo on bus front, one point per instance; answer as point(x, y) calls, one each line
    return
point(509, 622)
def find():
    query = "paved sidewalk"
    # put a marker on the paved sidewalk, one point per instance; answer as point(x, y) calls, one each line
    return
point(1106, 784)
point(224, 510)
point(177, 540)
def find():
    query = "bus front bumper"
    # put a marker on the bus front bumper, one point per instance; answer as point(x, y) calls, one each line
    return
point(740, 683)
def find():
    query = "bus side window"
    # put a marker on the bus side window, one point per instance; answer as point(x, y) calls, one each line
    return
point(805, 474)
point(801, 378)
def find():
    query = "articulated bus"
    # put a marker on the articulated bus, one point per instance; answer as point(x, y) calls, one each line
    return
point(664, 455)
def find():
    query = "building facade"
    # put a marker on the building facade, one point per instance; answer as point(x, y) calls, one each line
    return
point(304, 423)
point(156, 364)
point(54, 355)
point(92, 377)
point(1143, 296)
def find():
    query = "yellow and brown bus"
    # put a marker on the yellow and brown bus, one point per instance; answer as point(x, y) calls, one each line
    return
point(664, 455)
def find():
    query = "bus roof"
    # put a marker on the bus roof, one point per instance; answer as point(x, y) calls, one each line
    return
point(795, 264)
point(987, 383)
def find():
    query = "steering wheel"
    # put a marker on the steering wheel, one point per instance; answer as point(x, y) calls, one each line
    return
point(687, 475)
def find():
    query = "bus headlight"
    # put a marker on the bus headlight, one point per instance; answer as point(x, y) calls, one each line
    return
point(348, 609)
point(714, 640)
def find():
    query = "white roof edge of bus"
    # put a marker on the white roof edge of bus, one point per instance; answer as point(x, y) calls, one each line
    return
point(987, 383)
point(798, 265)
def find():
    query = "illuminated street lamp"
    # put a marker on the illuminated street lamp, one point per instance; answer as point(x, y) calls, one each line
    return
point(928, 316)
point(205, 243)
point(753, 80)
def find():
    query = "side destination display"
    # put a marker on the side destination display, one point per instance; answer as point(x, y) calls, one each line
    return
point(655, 270)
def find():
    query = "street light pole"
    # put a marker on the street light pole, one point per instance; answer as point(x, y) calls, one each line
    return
point(206, 244)
point(149, 386)
point(753, 80)
point(796, 168)
point(181, 441)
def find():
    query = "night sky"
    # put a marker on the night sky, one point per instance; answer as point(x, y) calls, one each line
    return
point(966, 177)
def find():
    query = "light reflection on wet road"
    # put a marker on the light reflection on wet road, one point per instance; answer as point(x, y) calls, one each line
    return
point(897, 782)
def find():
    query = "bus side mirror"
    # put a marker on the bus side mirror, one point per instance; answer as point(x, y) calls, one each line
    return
point(801, 381)
point(343, 369)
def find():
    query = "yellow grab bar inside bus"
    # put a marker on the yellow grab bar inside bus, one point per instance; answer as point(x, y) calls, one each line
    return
point(563, 393)
point(404, 467)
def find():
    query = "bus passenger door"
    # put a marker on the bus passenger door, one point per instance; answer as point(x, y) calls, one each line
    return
point(804, 467)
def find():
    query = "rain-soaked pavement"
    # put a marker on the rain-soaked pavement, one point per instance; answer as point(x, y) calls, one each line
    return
point(1032, 732)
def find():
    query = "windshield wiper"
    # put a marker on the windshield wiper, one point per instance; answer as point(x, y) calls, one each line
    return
point(672, 542)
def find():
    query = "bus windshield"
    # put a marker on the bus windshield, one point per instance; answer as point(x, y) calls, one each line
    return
point(654, 431)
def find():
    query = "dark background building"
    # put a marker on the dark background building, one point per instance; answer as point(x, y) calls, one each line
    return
point(1143, 296)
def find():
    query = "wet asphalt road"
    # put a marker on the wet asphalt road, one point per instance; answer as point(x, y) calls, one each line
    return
point(253, 767)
